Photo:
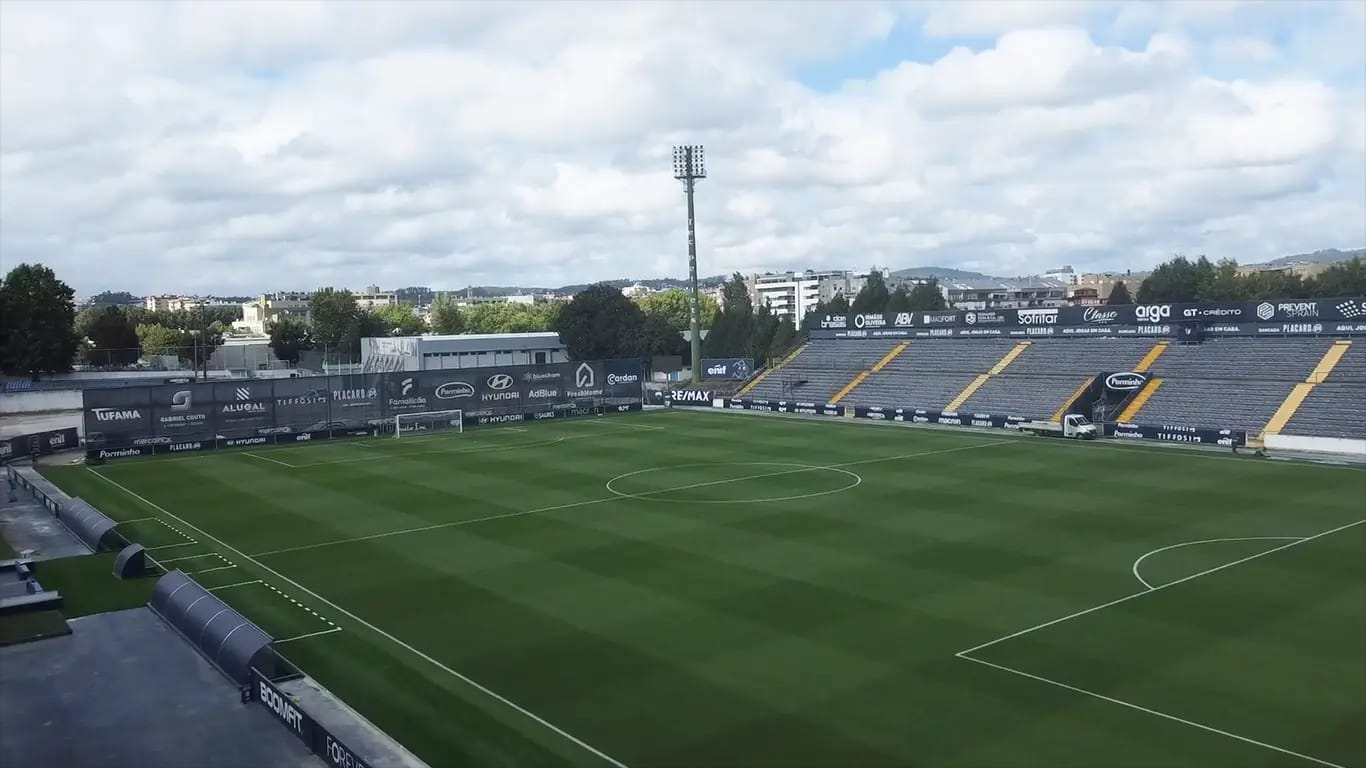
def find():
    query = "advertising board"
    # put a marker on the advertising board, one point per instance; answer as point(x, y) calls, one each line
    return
point(1348, 312)
point(333, 752)
point(738, 369)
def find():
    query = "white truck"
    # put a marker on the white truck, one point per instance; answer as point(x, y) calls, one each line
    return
point(1073, 425)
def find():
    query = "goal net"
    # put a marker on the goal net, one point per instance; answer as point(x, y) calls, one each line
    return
point(428, 421)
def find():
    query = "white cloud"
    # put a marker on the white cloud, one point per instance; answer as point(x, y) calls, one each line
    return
point(206, 147)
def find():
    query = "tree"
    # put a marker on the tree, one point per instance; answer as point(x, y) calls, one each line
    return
point(289, 337)
point(197, 345)
point(873, 297)
point(675, 304)
point(113, 299)
point(112, 337)
point(732, 331)
point(783, 338)
point(599, 323)
point(335, 321)
point(900, 301)
point(38, 317)
point(838, 305)
point(659, 337)
point(1225, 284)
point(400, 318)
point(156, 339)
point(1177, 280)
point(1346, 278)
point(446, 317)
point(926, 297)
point(1119, 295)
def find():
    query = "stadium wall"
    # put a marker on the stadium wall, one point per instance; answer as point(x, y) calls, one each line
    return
point(1335, 445)
point(40, 401)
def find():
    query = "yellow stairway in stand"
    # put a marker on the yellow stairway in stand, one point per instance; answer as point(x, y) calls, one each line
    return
point(1141, 399)
point(887, 358)
point(1295, 399)
point(1143, 365)
point(1057, 415)
point(976, 384)
point(754, 382)
point(1151, 357)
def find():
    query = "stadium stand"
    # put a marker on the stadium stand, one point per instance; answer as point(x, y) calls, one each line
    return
point(1228, 383)
point(1046, 375)
point(819, 373)
point(1337, 406)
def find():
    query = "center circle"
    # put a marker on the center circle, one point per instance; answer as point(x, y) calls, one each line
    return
point(775, 470)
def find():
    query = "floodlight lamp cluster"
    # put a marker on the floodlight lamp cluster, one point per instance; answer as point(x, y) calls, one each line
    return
point(690, 162)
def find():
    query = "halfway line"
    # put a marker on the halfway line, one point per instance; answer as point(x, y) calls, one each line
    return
point(615, 497)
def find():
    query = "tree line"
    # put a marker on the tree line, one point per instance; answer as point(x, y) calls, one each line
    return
point(1182, 280)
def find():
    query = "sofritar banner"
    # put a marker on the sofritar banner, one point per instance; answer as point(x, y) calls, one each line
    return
point(727, 368)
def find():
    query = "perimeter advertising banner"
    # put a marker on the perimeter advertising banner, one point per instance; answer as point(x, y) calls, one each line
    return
point(231, 413)
point(1348, 311)
point(738, 369)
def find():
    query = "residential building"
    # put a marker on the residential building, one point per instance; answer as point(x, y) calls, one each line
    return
point(258, 314)
point(794, 294)
point(636, 291)
point(1304, 269)
point(1104, 282)
point(171, 303)
point(1063, 274)
point(466, 350)
point(1004, 294)
point(373, 298)
point(469, 301)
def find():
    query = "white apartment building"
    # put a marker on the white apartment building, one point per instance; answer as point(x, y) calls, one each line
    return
point(171, 303)
point(373, 298)
point(794, 294)
point(258, 314)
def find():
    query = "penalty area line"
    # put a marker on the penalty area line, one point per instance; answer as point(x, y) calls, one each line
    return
point(308, 635)
point(1148, 710)
point(267, 458)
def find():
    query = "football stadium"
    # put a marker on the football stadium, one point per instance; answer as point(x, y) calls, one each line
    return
point(882, 549)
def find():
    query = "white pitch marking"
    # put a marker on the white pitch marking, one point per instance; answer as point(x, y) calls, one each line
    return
point(310, 634)
point(1153, 712)
point(267, 458)
point(238, 584)
point(382, 633)
point(170, 546)
point(1202, 541)
point(1161, 587)
point(192, 557)
point(211, 570)
point(589, 502)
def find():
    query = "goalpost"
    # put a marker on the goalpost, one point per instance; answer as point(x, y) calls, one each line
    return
point(428, 421)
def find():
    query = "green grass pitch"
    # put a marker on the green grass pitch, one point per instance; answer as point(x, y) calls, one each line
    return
point(711, 589)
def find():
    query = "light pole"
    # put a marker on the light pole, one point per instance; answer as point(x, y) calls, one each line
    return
point(689, 166)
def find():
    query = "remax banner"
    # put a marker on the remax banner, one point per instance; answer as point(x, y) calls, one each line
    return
point(727, 368)
point(1293, 311)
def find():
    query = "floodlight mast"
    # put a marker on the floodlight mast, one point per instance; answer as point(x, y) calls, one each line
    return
point(689, 166)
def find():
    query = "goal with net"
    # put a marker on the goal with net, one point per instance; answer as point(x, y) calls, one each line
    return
point(428, 421)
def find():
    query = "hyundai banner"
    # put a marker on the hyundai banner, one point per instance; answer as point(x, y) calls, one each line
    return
point(727, 368)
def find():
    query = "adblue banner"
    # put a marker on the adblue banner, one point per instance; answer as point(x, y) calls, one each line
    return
point(1288, 311)
point(727, 368)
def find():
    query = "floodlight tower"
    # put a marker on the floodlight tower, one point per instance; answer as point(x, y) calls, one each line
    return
point(689, 166)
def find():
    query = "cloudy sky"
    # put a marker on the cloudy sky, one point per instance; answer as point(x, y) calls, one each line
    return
point(252, 146)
